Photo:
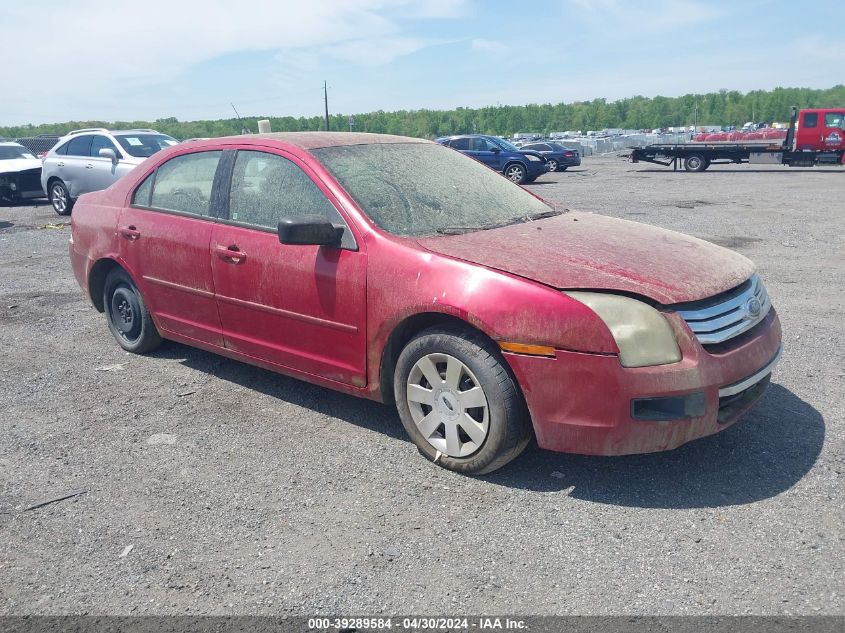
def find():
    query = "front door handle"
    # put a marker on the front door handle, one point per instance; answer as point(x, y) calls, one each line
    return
point(60, 164)
point(130, 233)
point(231, 254)
point(89, 166)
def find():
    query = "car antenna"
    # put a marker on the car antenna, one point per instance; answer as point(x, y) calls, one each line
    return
point(244, 130)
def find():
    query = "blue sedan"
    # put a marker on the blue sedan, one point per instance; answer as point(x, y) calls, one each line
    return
point(559, 156)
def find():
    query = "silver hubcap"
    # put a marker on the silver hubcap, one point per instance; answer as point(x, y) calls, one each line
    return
point(552, 165)
point(448, 405)
point(59, 198)
point(694, 162)
point(515, 174)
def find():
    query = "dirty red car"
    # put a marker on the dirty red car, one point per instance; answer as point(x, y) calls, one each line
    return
point(402, 271)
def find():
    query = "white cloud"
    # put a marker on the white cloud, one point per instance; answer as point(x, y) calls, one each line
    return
point(489, 46)
point(87, 53)
point(645, 17)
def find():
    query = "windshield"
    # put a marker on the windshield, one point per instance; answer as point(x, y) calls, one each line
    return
point(144, 145)
point(11, 152)
point(506, 145)
point(417, 189)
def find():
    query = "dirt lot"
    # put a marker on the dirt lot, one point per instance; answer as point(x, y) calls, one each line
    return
point(240, 491)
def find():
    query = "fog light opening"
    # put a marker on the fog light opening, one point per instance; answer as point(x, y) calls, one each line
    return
point(691, 405)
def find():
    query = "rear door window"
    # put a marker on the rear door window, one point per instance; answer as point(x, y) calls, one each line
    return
point(460, 143)
point(811, 119)
point(80, 146)
point(183, 184)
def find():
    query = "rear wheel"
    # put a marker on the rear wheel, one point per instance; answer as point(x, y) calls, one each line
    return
point(60, 198)
point(128, 317)
point(515, 173)
point(696, 162)
point(459, 402)
point(564, 168)
point(553, 166)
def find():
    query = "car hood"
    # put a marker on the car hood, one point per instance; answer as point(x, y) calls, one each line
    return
point(587, 251)
point(19, 164)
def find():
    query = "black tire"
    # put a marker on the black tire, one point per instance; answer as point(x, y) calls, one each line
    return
point(509, 424)
point(129, 319)
point(59, 197)
point(696, 162)
point(515, 172)
point(553, 164)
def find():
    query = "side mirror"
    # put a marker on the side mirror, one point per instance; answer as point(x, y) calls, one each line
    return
point(107, 152)
point(309, 229)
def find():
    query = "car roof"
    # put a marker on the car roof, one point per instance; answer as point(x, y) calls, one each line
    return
point(12, 144)
point(312, 140)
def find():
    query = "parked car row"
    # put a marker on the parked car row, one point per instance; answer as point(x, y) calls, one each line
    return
point(518, 164)
point(93, 159)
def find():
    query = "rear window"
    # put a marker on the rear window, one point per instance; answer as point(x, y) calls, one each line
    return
point(811, 119)
point(144, 145)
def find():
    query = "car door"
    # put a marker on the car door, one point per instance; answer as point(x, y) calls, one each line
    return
point(101, 172)
point(833, 132)
point(297, 306)
point(71, 167)
point(807, 135)
point(164, 241)
point(486, 152)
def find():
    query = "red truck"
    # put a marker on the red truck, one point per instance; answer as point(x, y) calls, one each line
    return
point(815, 137)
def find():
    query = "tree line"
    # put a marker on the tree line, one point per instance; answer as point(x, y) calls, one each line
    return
point(726, 107)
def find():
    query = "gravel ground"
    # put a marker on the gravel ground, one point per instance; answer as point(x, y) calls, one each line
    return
point(240, 491)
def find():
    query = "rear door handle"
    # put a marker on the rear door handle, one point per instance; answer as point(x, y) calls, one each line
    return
point(129, 232)
point(231, 254)
point(89, 166)
point(60, 164)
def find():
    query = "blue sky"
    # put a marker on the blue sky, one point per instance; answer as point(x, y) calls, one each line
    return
point(89, 59)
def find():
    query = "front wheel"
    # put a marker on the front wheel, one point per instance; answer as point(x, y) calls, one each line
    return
point(128, 317)
point(515, 173)
point(459, 402)
point(60, 198)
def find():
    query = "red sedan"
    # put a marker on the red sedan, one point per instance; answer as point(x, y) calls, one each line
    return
point(402, 271)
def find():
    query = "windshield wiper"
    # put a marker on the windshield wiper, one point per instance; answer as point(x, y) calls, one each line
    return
point(531, 217)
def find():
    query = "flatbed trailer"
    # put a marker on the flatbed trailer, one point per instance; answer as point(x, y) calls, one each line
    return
point(807, 146)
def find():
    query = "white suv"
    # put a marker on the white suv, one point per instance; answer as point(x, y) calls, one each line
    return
point(94, 158)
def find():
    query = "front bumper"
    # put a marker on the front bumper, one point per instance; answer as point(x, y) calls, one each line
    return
point(536, 168)
point(582, 403)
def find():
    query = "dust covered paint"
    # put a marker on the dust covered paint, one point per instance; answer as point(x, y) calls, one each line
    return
point(462, 247)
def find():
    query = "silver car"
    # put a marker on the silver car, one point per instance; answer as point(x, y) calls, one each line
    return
point(94, 158)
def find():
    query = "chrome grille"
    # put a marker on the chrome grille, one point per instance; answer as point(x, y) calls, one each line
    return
point(728, 315)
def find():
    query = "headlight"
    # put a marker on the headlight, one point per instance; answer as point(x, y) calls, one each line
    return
point(532, 157)
point(643, 335)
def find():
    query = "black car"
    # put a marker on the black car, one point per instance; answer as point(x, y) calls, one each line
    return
point(558, 156)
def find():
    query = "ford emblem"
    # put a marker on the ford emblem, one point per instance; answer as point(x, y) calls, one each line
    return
point(753, 308)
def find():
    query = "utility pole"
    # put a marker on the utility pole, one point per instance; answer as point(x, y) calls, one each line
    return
point(326, 101)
